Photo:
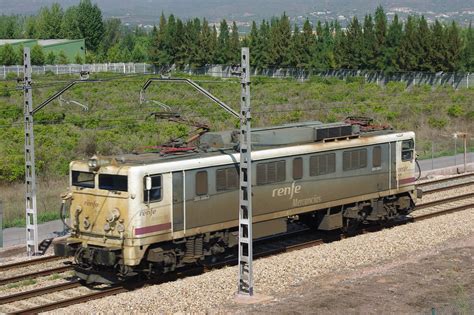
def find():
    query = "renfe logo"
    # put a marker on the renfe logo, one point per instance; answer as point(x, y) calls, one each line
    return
point(287, 191)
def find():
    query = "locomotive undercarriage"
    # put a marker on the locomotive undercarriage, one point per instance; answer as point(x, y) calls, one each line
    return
point(94, 264)
point(348, 217)
point(105, 264)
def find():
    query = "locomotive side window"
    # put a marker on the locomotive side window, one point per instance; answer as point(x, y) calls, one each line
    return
point(154, 194)
point(354, 159)
point(271, 172)
point(83, 179)
point(201, 183)
point(377, 156)
point(227, 178)
point(322, 164)
point(407, 150)
point(113, 182)
point(297, 168)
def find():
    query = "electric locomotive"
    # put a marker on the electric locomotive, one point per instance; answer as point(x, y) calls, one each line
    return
point(152, 213)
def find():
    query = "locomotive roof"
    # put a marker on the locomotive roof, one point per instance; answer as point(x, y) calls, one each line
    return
point(155, 157)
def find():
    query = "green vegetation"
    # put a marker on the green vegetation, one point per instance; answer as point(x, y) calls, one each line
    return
point(21, 284)
point(116, 123)
point(373, 44)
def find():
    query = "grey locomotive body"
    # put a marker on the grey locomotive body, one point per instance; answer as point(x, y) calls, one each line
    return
point(151, 213)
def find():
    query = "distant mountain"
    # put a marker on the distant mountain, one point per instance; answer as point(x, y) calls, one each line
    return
point(147, 11)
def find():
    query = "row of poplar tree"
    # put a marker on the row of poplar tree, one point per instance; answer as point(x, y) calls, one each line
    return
point(374, 43)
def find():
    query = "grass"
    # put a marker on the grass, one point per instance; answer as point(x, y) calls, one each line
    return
point(21, 284)
point(48, 201)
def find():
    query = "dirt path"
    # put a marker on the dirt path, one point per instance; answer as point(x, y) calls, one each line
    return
point(440, 280)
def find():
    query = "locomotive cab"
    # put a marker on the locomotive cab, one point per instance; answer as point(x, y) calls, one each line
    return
point(107, 212)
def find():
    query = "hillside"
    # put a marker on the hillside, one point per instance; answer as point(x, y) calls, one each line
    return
point(147, 11)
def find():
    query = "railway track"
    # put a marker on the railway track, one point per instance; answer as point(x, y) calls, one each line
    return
point(30, 262)
point(35, 274)
point(300, 239)
point(466, 180)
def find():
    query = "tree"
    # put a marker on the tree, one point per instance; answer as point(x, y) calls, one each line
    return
point(7, 55)
point(78, 59)
point(253, 42)
point(438, 52)
point(51, 58)
point(394, 37)
point(409, 49)
point(62, 58)
point(352, 45)
point(380, 38)
point(223, 45)
point(468, 51)
point(19, 55)
point(280, 38)
point(369, 45)
point(37, 55)
point(9, 27)
point(49, 22)
point(91, 24)
point(425, 42)
point(296, 49)
point(454, 48)
point(70, 25)
point(205, 53)
point(139, 53)
point(307, 43)
point(114, 54)
point(112, 34)
point(234, 45)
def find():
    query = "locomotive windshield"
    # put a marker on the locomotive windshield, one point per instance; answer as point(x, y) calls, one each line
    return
point(407, 150)
point(83, 179)
point(113, 182)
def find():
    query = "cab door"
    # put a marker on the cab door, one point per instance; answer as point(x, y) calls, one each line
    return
point(178, 201)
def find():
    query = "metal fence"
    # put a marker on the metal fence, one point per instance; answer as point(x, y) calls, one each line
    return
point(455, 80)
point(76, 68)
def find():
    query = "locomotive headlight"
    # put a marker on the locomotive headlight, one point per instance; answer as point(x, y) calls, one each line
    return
point(95, 162)
point(120, 228)
point(92, 163)
point(114, 214)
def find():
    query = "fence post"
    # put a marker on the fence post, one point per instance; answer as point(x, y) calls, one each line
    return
point(432, 154)
point(467, 80)
point(4, 72)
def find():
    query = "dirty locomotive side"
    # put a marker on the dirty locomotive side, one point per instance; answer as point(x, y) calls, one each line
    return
point(151, 213)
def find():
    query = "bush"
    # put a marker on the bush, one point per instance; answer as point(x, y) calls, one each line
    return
point(455, 110)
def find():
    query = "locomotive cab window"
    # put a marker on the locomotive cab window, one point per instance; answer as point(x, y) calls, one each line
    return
point(271, 172)
point(113, 182)
point(201, 183)
point(152, 191)
point(83, 179)
point(408, 147)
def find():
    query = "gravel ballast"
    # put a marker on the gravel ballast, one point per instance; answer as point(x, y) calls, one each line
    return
point(215, 290)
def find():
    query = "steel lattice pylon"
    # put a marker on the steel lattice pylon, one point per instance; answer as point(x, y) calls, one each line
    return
point(30, 176)
point(245, 203)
